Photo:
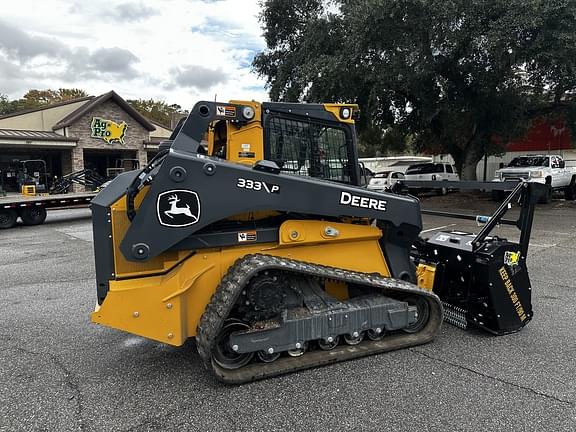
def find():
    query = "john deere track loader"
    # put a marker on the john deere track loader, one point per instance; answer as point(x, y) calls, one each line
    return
point(263, 246)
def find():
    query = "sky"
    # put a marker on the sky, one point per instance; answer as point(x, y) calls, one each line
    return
point(178, 51)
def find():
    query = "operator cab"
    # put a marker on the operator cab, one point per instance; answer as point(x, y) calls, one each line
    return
point(312, 140)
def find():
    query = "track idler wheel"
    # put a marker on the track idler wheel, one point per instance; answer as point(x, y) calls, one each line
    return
point(354, 338)
point(423, 309)
point(223, 354)
point(267, 357)
point(299, 350)
point(329, 343)
point(376, 334)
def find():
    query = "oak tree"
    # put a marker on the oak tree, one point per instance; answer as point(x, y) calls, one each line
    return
point(455, 77)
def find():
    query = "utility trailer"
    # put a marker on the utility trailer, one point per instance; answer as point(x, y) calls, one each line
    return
point(32, 209)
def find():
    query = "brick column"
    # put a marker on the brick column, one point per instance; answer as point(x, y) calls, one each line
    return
point(77, 165)
point(142, 156)
point(66, 158)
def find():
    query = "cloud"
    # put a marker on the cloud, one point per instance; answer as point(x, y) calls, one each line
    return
point(61, 60)
point(9, 70)
point(23, 47)
point(123, 12)
point(198, 77)
point(15, 80)
point(230, 33)
point(134, 12)
point(141, 48)
point(217, 26)
point(113, 60)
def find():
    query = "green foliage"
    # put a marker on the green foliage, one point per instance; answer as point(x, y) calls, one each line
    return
point(37, 98)
point(452, 75)
point(5, 105)
point(158, 111)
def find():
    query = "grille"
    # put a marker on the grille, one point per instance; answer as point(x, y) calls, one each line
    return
point(518, 175)
point(309, 148)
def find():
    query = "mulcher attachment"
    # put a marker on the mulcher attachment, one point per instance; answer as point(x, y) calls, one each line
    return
point(482, 280)
point(487, 288)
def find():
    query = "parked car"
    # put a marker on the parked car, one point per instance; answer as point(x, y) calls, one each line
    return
point(434, 171)
point(550, 170)
point(383, 181)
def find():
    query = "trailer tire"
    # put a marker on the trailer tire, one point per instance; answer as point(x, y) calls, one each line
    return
point(570, 190)
point(33, 215)
point(547, 197)
point(8, 218)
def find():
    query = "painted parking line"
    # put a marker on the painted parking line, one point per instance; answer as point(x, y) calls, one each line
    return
point(438, 228)
point(544, 245)
point(77, 234)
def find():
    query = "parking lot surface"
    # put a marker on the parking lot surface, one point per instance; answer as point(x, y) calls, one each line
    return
point(60, 372)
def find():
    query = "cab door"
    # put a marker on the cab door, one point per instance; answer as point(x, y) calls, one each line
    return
point(557, 173)
point(451, 173)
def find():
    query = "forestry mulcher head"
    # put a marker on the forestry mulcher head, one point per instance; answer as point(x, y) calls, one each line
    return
point(482, 279)
point(262, 245)
point(488, 287)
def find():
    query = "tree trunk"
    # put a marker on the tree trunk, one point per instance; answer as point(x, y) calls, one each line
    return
point(468, 171)
point(466, 163)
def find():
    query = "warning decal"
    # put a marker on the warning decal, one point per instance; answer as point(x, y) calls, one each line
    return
point(225, 111)
point(246, 236)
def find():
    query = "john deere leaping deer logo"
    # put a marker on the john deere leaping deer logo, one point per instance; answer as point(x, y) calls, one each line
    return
point(178, 208)
point(108, 130)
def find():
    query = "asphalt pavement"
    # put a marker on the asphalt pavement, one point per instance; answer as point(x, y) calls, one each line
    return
point(58, 371)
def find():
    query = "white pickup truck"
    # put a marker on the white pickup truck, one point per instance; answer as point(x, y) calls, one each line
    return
point(550, 170)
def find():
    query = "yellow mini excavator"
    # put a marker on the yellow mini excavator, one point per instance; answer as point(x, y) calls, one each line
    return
point(250, 232)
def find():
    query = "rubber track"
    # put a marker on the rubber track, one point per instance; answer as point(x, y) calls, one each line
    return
point(245, 268)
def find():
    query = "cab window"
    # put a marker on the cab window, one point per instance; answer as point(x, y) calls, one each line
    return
point(219, 134)
point(309, 148)
point(427, 168)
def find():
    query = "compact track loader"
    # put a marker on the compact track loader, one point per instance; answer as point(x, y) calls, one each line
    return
point(263, 246)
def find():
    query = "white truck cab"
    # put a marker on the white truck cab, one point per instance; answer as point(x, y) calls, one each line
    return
point(550, 170)
point(385, 180)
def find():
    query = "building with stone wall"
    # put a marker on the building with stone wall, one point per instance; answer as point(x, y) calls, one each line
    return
point(104, 134)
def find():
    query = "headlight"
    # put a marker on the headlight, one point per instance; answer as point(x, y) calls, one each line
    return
point(536, 174)
point(345, 113)
point(248, 112)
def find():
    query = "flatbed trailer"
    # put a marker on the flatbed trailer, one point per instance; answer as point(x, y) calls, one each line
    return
point(32, 209)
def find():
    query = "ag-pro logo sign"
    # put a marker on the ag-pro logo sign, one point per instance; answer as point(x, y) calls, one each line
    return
point(108, 130)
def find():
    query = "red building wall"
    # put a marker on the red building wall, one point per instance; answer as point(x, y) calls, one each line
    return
point(544, 135)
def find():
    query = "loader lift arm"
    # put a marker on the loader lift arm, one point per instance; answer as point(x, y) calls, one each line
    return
point(184, 168)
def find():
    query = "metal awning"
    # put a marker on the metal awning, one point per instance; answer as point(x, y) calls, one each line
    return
point(26, 138)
